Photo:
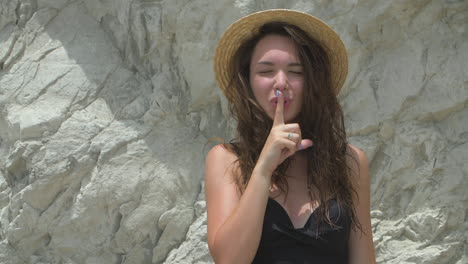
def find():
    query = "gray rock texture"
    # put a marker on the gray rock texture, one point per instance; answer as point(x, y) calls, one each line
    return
point(107, 109)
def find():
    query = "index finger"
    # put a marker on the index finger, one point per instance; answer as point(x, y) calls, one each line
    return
point(279, 115)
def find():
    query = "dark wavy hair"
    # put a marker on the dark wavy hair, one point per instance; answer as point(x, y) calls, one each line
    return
point(320, 119)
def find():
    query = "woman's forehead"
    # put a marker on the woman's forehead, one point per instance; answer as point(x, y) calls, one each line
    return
point(275, 45)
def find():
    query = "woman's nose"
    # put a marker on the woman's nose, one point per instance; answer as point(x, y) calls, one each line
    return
point(281, 81)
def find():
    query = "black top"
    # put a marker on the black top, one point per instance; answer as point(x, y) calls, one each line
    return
point(281, 243)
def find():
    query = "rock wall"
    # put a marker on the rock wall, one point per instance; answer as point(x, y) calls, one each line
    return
point(107, 109)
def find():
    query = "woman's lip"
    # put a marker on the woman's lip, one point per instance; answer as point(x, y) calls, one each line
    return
point(274, 102)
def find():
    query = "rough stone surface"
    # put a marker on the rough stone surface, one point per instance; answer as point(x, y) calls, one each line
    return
point(107, 109)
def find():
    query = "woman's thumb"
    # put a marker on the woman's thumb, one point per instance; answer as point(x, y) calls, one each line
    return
point(305, 143)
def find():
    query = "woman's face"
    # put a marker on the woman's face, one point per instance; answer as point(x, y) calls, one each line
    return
point(275, 65)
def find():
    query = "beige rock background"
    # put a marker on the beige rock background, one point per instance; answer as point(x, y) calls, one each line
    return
point(107, 108)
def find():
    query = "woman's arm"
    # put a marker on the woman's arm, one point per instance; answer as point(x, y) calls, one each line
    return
point(234, 222)
point(361, 247)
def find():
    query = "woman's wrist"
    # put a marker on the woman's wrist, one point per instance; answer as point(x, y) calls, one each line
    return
point(263, 171)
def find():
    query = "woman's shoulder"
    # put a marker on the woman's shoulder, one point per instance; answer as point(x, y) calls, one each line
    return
point(221, 170)
point(222, 151)
point(358, 163)
point(356, 154)
point(221, 155)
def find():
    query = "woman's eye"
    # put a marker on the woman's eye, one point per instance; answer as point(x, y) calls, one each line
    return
point(266, 71)
point(296, 72)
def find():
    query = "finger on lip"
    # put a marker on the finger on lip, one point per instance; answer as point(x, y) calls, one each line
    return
point(278, 118)
point(286, 100)
point(285, 103)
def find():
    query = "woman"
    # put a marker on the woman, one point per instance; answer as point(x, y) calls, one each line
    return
point(289, 189)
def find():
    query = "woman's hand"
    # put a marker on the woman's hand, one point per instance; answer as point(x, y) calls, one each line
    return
point(282, 142)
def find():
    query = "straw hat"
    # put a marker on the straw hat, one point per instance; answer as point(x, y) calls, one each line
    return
point(248, 26)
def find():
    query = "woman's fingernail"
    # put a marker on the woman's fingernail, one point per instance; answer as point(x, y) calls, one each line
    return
point(278, 93)
point(300, 146)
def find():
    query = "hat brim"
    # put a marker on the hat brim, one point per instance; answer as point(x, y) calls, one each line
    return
point(248, 26)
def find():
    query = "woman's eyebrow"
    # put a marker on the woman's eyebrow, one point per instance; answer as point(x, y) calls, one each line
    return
point(295, 64)
point(265, 62)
